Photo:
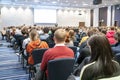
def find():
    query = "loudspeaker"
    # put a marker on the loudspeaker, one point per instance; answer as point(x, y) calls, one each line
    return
point(96, 2)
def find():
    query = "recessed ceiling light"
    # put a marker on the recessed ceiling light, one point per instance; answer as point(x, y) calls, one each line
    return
point(54, 2)
point(85, 4)
point(16, 0)
point(36, 0)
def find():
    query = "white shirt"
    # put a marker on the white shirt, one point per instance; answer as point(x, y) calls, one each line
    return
point(60, 44)
point(25, 42)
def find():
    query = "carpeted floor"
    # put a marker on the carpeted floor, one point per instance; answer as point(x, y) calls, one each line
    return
point(10, 68)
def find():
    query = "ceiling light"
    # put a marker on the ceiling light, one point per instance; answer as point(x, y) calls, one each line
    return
point(85, 4)
point(54, 2)
point(15, 0)
point(36, 0)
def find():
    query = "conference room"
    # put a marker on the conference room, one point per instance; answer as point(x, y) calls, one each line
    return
point(59, 39)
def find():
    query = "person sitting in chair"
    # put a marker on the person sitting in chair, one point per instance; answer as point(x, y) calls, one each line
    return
point(34, 43)
point(58, 51)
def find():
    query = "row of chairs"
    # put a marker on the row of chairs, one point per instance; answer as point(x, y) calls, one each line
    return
point(37, 57)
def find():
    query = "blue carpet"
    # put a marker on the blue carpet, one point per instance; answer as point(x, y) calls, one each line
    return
point(10, 68)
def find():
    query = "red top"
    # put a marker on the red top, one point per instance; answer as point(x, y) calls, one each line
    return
point(110, 35)
point(54, 53)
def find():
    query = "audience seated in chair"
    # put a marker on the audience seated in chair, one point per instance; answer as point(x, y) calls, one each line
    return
point(117, 57)
point(60, 69)
point(84, 49)
point(116, 47)
point(83, 42)
point(34, 43)
point(70, 38)
point(45, 35)
point(59, 51)
point(101, 64)
point(3, 33)
point(110, 35)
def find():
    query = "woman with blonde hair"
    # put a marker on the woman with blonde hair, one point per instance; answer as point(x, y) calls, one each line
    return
point(34, 43)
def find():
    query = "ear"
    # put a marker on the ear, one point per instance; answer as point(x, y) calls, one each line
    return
point(54, 39)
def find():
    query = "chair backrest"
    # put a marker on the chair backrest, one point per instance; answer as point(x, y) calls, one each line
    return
point(117, 57)
point(74, 48)
point(111, 78)
point(76, 43)
point(60, 69)
point(51, 45)
point(37, 55)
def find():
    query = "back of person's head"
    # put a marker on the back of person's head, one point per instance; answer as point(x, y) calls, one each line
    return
point(24, 30)
point(104, 31)
point(112, 28)
point(101, 53)
point(46, 30)
point(60, 35)
point(34, 35)
point(117, 36)
point(92, 31)
point(72, 35)
point(99, 46)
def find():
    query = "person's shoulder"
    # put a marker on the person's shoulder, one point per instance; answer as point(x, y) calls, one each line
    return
point(69, 48)
point(44, 42)
point(116, 63)
point(50, 50)
point(88, 65)
point(86, 70)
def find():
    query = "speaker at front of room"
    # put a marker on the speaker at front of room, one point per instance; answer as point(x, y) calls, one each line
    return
point(96, 2)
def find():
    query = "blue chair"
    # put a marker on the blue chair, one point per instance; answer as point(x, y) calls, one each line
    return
point(74, 48)
point(117, 57)
point(37, 55)
point(51, 45)
point(76, 43)
point(60, 69)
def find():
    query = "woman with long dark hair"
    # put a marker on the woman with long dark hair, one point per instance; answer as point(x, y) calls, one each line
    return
point(101, 63)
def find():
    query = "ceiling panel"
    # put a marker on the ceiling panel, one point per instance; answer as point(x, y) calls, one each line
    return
point(59, 3)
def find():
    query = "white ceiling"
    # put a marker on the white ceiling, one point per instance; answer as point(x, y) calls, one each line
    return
point(58, 3)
